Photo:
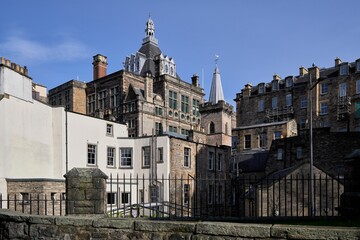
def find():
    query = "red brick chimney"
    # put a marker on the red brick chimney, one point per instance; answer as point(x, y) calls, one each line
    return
point(100, 65)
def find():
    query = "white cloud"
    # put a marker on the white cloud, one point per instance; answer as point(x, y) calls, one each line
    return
point(31, 51)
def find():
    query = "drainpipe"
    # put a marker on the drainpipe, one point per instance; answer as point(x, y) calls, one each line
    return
point(66, 142)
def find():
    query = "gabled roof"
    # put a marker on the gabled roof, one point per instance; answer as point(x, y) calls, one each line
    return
point(133, 93)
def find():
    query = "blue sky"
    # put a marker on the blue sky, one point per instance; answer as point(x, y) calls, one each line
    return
point(255, 38)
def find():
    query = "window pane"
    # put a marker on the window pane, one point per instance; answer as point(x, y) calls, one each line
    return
point(146, 156)
point(110, 156)
point(125, 157)
point(187, 157)
point(91, 154)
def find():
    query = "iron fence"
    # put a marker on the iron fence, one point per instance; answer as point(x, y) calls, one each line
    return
point(185, 196)
point(189, 197)
point(34, 203)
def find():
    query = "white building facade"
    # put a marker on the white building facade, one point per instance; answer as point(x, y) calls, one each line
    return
point(43, 142)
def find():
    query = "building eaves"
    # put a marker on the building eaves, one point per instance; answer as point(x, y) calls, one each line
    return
point(261, 125)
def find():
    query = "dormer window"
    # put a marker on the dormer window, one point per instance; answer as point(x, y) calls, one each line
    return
point(261, 88)
point(289, 82)
point(343, 70)
point(275, 85)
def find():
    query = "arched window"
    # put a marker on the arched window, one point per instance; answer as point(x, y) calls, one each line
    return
point(212, 128)
point(226, 129)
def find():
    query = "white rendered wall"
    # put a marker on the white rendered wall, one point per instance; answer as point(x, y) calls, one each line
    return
point(26, 142)
point(15, 84)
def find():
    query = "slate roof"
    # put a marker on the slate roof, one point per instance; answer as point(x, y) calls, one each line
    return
point(254, 161)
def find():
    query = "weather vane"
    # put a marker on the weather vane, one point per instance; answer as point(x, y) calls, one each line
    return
point(216, 58)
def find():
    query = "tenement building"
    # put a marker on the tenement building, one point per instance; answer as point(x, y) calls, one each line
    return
point(335, 98)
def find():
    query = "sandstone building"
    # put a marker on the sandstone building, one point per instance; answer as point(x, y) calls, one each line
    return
point(150, 97)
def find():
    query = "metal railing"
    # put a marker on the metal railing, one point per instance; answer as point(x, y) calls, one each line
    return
point(33, 203)
point(189, 197)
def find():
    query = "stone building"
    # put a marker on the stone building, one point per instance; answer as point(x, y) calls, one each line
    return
point(70, 95)
point(151, 98)
point(335, 98)
point(335, 103)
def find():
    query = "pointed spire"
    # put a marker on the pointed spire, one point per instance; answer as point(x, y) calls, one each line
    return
point(216, 91)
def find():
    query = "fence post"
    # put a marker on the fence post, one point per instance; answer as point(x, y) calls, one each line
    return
point(85, 191)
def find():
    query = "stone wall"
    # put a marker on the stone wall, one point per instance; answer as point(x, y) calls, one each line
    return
point(18, 226)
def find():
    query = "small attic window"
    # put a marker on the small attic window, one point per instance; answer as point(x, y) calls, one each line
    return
point(275, 85)
point(343, 70)
point(358, 66)
point(261, 88)
point(289, 82)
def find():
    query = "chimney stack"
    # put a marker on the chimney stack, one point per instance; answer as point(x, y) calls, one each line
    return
point(195, 80)
point(276, 77)
point(337, 61)
point(302, 71)
point(100, 65)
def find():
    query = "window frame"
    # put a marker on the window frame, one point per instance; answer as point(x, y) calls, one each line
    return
point(358, 86)
point(146, 155)
point(288, 82)
point(125, 196)
point(160, 155)
point(303, 102)
point(211, 160)
point(109, 130)
point(288, 99)
point(111, 196)
point(185, 104)
point(324, 88)
point(342, 89)
point(219, 162)
point(173, 100)
point(343, 70)
point(274, 102)
point(187, 157)
point(109, 156)
point(102, 99)
point(324, 108)
point(277, 135)
point(262, 140)
point(186, 194)
point(247, 141)
point(275, 85)
point(125, 159)
point(91, 155)
point(261, 105)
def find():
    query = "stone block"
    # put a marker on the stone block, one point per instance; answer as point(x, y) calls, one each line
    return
point(16, 230)
point(84, 203)
point(164, 226)
point(234, 229)
point(73, 221)
point(84, 210)
point(114, 223)
point(75, 195)
point(94, 194)
point(99, 183)
point(99, 207)
point(314, 232)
